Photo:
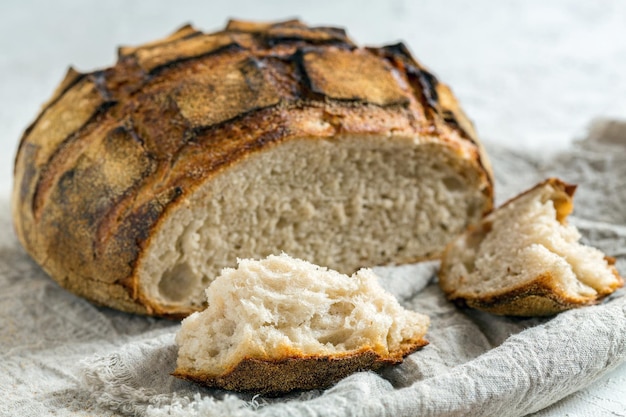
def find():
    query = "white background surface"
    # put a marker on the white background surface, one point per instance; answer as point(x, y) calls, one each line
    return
point(529, 73)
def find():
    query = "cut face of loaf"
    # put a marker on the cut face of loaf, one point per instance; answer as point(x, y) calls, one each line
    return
point(524, 259)
point(137, 184)
point(280, 324)
point(343, 203)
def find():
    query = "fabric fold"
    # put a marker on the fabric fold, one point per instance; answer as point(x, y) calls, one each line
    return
point(114, 364)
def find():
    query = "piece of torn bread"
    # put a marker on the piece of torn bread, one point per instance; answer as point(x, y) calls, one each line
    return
point(138, 183)
point(281, 324)
point(523, 259)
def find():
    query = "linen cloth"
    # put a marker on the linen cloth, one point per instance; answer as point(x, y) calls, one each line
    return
point(62, 356)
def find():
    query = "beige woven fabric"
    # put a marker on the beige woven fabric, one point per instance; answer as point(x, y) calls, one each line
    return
point(61, 355)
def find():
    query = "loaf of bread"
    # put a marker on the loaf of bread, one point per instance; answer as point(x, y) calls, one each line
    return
point(280, 324)
point(524, 259)
point(138, 183)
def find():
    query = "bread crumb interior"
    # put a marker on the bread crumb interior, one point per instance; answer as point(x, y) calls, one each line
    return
point(282, 307)
point(524, 240)
point(345, 203)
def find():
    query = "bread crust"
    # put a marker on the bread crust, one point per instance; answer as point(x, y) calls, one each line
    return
point(297, 372)
point(543, 296)
point(540, 297)
point(114, 151)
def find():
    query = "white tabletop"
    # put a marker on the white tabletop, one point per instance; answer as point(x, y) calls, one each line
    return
point(532, 74)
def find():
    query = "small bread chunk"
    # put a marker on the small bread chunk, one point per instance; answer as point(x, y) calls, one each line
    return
point(281, 324)
point(523, 259)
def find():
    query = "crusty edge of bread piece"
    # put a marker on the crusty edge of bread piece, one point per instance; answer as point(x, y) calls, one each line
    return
point(537, 298)
point(563, 206)
point(542, 296)
point(275, 377)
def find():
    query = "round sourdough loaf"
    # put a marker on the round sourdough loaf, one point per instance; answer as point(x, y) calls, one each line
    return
point(138, 183)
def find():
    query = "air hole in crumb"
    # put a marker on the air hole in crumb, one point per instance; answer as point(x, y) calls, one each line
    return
point(212, 352)
point(476, 237)
point(469, 265)
point(178, 283)
point(337, 337)
point(282, 222)
point(343, 308)
point(228, 328)
point(453, 184)
point(474, 210)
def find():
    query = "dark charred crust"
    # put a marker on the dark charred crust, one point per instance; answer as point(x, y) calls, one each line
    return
point(534, 299)
point(351, 75)
point(307, 90)
point(229, 97)
point(423, 83)
point(27, 152)
point(47, 173)
point(285, 78)
point(162, 114)
point(515, 305)
point(184, 32)
point(252, 70)
point(460, 302)
point(133, 233)
point(279, 376)
point(98, 78)
point(420, 95)
point(570, 189)
point(451, 119)
point(225, 143)
point(231, 47)
point(245, 26)
point(103, 108)
point(537, 288)
point(397, 49)
point(312, 36)
point(291, 31)
point(429, 87)
point(537, 298)
point(423, 89)
point(129, 127)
